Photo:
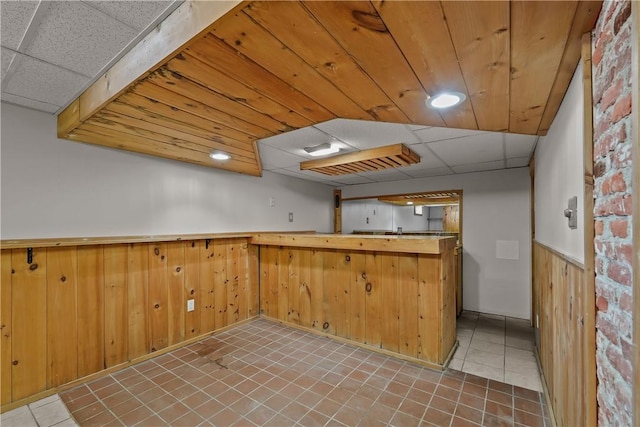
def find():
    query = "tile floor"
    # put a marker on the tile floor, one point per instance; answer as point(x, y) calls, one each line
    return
point(50, 411)
point(263, 373)
point(497, 348)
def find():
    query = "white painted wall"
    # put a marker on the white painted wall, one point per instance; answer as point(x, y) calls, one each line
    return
point(559, 175)
point(56, 188)
point(495, 208)
point(381, 216)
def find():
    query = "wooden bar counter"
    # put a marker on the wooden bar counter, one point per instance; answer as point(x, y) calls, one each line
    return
point(394, 294)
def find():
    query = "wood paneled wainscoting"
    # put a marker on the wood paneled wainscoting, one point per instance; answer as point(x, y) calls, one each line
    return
point(565, 340)
point(75, 308)
point(366, 289)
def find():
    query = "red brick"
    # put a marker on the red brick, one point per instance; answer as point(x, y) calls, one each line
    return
point(611, 94)
point(621, 109)
point(607, 329)
point(619, 363)
point(616, 205)
point(619, 273)
point(621, 17)
point(626, 302)
point(621, 157)
point(599, 227)
point(602, 304)
point(619, 228)
point(614, 184)
point(623, 252)
point(599, 266)
point(627, 348)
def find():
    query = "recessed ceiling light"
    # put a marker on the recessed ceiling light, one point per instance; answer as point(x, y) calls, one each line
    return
point(217, 155)
point(322, 149)
point(409, 203)
point(446, 99)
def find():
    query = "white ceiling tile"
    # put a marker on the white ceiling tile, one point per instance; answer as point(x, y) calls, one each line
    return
point(479, 148)
point(304, 175)
point(352, 180)
point(295, 141)
point(424, 173)
point(16, 16)
point(478, 167)
point(273, 158)
point(364, 134)
point(386, 175)
point(518, 162)
point(427, 158)
point(29, 103)
point(418, 127)
point(137, 14)
point(438, 134)
point(520, 145)
point(7, 57)
point(78, 37)
point(42, 81)
point(315, 176)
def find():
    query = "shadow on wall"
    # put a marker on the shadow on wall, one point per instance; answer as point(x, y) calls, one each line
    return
point(470, 282)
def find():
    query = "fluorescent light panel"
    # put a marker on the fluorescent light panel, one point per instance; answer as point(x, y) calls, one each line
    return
point(322, 149)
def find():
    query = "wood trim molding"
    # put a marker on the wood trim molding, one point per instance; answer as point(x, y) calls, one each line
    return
point(590, 390)
point(562, 256)
point(635, 221)
point(337, 211)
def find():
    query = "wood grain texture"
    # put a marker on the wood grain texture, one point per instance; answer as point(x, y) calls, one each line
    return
point(564, 346)
point(220, 283)
point(138, 299)
point(176, 303)
point(115, 305)
point(191, 287)
point(29, 323)
point(6, 333)
point(408, 306)
point(158, 296)
point(91, 315)
point(62, 328)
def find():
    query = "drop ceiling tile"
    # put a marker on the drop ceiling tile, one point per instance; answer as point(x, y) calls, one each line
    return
point(364, 134)
point(438, 134)
point(34, 79)
point(301, 175)
point(418, 127)
point(315, 176)
point(16, 16)
point(294, 142)
point(518, 162)
point(352, 180)
point(427, 158)
point(424, 173)
point(78, 37)
point(386, 175)
point(136, 14)
point(29, 103)
point(478, 167)
point(273, 158)
point(520, 145)
point(6, 58)
point(479, 148)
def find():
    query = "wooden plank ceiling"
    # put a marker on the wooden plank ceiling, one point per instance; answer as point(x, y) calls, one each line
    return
point(268, 67)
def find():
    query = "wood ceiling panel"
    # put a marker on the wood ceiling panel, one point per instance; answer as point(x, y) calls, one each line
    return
point(197, 71)
point(221, 57)
point(422, 35)
point(538, 37)
point(360, 30)
point(270, 67)
point(175, 117)
point(480, 32)
point(256, 43)
point(584, 19)
point(294, 27)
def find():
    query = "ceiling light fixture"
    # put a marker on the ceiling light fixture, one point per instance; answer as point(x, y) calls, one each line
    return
point(409, 203)
point(446, 100)
point(322, 149)
point(218, 155)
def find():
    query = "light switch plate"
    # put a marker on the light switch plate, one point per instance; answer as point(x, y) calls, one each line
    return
point(191, 305)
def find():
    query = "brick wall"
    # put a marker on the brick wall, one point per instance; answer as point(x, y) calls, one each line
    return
point(612, 211)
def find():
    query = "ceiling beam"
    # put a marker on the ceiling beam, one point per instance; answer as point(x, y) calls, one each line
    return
point(174, 34)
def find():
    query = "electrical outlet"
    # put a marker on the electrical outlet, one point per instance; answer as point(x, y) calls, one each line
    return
point(272, 202)
point(290, 216)
point(367, 220)
point(191, 304)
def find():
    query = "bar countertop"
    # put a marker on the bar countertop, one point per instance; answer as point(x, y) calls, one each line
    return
point(404, 244)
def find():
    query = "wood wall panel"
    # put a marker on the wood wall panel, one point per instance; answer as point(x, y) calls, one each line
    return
point(29, 323)
point(393, 302)
point(90, 310)
point(62, 329)
point(5, 326)
point(564, 337)
point(77, 310)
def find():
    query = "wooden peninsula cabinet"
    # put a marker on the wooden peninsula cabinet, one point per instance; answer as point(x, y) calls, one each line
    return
point(395, 294)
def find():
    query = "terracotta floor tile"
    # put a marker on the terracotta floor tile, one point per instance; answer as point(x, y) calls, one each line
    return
point(226, 417)
point(108, 390)
point(499, 397)
point(493, 421)
point(101, 419)
point(313, 418)
point(162, 402)
point(402, 419)
point(295, 411)
point(447, 393)
point(117, 399)
point(437, 417)
point(528, 405)
point(150, 395)
point(412, 408)
point(526, 394)
point(462, 422)
point(277, 384)
point(173, 412)
point(390, 400)
point(135, 416)
point(81, 402)
point(228, 397)
point(189, 419)
point(471, 400)
point(279, 420)
point(260, 415)
point(348, 416)
point(101, 383)
point(125, 407)
point(469, 414)
point(152, 421)
point(527, 419)
point(88, 412)
point(244, 405)
point(209, 408)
